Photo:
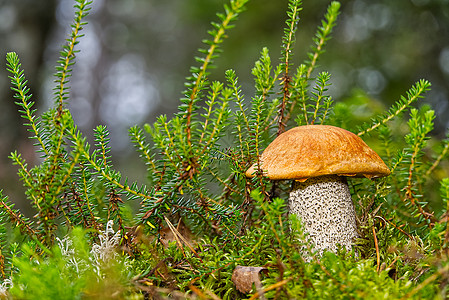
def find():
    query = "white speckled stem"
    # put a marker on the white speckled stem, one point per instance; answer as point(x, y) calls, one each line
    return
point(325, 207)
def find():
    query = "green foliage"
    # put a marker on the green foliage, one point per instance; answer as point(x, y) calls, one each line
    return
point(198, 215)
point(67, 55)
point(72, 270)
point(416, 92)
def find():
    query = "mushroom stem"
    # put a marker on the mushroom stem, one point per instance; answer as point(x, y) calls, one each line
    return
point(325, 208)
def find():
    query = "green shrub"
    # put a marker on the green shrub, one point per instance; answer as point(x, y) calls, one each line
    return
point(199, 216)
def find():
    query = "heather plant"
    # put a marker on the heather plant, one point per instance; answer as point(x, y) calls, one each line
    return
point(198, 215)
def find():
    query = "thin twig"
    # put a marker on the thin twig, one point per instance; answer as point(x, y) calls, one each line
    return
point(271, 287)
point(377, 249)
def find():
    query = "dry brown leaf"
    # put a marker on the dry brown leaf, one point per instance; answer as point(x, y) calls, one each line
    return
point(244, 277)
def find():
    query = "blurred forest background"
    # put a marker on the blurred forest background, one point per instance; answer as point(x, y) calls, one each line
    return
point(136, 53)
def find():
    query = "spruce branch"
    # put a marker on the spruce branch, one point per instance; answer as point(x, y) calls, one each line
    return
point(288, 39)
point(420, 125)
point(170, 144)
point(58, 153)
point(323, 35)
point(105, 171)
point(25, 175)
point(164, 140)
point(171, 151)
point(102, 142)
point(443, 154)
point(256, 128)
point(102, 156)
point(197, 81)
point(68, 54)
point(265, 81)
point(215, 91)
point(139, 141)
point(85, 187)
point(258, 115)
point(242, 126)
point(68, 171)
point(53, 175)
point(413, 94)
point(327, 108)
point(299, 83)
point(19, 82)
point(321, 87)
point(17, 218)
point(99, 163)
point(395, 164)
point(294, 7)
point(220, 116)
point(240, 114)
point(444, 192)
point(386, 137)
point(299, 95)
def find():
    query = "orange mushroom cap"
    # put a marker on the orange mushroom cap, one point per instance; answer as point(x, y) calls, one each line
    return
point(316, 150)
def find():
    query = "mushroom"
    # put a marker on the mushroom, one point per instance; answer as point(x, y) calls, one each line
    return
point(317, 158)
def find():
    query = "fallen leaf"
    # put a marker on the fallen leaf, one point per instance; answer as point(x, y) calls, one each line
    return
point(244, 277)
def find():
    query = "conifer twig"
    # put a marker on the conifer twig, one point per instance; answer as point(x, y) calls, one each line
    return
point(236, 6)
point(414, 93)
point(68, 54)
point(288, 43)
point(18, 82)
point(376, 245)
point(19, 220)
point(440, 157)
